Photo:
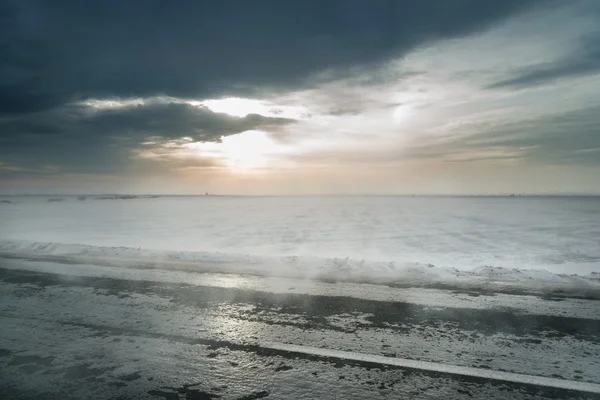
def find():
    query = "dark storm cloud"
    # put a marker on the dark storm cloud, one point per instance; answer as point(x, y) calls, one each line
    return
point(54, 54)
point(584, 61)
point(60, 51)
point(79, 139)
point(175, 120)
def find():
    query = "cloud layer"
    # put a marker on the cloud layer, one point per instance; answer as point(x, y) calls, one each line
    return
point(87, 88)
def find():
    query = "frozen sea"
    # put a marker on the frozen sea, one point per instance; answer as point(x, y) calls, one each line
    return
point(372, 236)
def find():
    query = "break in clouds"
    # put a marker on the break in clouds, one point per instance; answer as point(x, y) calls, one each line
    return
point(300, 97)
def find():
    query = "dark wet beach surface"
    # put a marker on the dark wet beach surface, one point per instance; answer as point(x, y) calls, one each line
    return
point(105, 337)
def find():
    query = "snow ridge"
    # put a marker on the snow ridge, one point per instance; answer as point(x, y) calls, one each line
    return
point(320, 268)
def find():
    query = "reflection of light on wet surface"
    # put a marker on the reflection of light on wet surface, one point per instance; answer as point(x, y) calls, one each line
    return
point(572, 307)
point(120, 326)
point(142, 364)
point(228, 328)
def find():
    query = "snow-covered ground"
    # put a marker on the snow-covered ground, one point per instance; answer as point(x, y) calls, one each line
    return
point(378, 238)
point(306, 267)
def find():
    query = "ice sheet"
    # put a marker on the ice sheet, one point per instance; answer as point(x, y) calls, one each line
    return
point(377, 237)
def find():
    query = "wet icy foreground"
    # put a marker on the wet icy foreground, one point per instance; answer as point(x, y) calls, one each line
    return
point(74, 330)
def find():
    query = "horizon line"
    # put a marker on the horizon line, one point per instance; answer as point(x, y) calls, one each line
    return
point(541, 194)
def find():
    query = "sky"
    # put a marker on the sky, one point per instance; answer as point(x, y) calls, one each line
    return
point(300, 96)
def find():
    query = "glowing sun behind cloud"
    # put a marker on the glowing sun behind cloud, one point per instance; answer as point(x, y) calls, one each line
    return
point(242, 152)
